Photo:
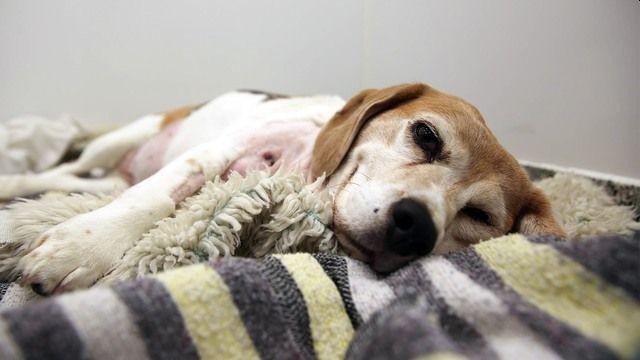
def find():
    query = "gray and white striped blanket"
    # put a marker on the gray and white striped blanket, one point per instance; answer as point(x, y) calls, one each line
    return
point(512, 297)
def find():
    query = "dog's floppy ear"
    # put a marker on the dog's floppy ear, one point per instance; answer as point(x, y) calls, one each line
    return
point(337, 136)
point(536, 217)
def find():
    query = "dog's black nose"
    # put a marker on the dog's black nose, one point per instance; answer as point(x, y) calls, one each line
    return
point(411, 230)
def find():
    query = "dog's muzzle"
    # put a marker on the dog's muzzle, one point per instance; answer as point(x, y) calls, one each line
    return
point(409, 233)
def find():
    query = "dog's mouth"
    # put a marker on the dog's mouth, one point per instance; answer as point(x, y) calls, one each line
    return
point(380, 261)
point(354, 249)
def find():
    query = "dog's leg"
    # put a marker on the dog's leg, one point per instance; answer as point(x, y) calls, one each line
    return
point(35, 184)
point(107, 150)
point(77, 252)
point(104, 152)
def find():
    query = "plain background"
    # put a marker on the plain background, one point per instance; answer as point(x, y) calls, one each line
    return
point(557, 80)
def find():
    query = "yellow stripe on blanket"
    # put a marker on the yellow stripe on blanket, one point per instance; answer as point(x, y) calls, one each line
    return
point(566, 290)
point(331, 328)
point(441, 356)
point(209, 313)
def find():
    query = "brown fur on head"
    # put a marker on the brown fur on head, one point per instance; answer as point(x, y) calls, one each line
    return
point(400, 155)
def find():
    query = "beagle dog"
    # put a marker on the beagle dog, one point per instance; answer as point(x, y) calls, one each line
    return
point(413, 171)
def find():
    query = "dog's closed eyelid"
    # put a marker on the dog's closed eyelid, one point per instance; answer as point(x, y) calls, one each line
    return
point(477, 214)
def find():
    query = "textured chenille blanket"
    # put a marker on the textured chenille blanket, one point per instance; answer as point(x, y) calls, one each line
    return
point(511, 297)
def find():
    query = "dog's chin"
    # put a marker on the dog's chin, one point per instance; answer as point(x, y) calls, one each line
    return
point(380, 261)
point(353, 249)
point(385, 263)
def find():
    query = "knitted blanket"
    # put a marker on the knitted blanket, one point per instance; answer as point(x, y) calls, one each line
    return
point(510, 297)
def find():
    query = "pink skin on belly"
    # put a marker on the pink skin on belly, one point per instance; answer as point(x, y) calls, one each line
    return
point(276, 144)
point(144, 161)
point(287, 144)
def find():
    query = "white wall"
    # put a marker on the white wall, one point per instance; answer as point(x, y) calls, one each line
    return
point(118, 59)
point(558, 81)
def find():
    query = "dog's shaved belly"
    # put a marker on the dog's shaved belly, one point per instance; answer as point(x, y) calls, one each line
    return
point(146, 160)
point(277, 144)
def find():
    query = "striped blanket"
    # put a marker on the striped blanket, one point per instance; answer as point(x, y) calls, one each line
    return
point(510, 297)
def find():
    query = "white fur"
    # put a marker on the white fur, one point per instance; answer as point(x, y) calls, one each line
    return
point(30, 218)
point(236, 113)
point(249, 216)
point(78, 251)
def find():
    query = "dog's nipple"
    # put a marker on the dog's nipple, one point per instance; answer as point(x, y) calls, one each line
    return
point(269, 158)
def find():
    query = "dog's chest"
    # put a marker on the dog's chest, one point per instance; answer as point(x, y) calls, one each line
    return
point(287, 144)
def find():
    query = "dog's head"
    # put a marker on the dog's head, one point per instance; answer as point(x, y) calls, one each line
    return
point(417, 171)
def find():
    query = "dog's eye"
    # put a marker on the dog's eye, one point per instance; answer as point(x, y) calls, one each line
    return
point(427, 138)
point(477, 214)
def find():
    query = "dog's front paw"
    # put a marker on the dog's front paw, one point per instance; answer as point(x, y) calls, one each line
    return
point(77, 252)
